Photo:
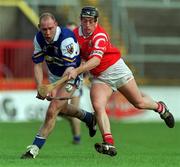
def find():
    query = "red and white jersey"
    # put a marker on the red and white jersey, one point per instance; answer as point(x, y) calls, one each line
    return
point(97, 44)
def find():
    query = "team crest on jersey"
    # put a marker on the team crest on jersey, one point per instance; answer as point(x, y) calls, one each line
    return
point(70, 48)
point(90, 43)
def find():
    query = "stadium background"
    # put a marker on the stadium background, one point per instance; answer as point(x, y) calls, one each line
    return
point(146, 31)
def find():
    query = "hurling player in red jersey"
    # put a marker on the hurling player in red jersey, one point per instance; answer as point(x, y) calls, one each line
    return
point(110, 73)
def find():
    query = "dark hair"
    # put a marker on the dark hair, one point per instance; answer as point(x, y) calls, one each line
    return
point(89, 11)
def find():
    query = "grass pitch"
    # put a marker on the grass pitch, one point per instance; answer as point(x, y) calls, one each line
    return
point(138, 145)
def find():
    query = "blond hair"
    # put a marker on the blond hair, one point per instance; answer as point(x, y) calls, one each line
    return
point(46, 15)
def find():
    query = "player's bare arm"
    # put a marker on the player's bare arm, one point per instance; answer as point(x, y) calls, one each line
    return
point(89, 65)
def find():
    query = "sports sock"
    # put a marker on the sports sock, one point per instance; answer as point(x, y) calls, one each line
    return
point(160, 109)
point(87, 117)
point(39, 141)
point(107, 138)
point(76, 139)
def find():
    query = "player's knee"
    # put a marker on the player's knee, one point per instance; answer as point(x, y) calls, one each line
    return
point(96, 105)
point(99, 108)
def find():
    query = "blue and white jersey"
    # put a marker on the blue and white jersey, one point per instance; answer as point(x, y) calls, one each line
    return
point(63, 52)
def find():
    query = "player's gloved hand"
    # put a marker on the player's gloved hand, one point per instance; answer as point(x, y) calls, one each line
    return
point(39, 96)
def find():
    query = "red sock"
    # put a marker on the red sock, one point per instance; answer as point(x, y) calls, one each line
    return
point(107, 137)
point(160, 107)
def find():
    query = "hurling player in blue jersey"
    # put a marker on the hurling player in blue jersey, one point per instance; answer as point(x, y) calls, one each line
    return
point(57, 47)
point(74, 122)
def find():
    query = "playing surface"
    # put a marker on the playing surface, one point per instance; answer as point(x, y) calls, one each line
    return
point(138, 145)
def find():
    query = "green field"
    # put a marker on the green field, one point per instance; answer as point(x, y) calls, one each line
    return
point(138, 145)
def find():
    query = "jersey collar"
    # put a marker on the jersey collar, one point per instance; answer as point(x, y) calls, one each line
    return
point(58, 32)
point(56, 36)
point(81, 33)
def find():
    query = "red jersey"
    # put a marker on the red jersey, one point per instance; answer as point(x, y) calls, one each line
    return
point(97, 44)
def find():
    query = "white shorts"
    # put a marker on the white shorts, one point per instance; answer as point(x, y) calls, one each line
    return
point(78, 92)
point(115, 76)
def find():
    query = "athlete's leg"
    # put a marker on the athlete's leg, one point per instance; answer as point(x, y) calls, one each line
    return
point(134, 96)
point(75, 123)
point(54, 108)
point(142, 101)
point(100, 94)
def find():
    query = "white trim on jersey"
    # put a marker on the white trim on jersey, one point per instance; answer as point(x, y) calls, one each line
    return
point(96, 45)
point(58, 32)
point(37, 47)
point(100, 34)
point(80, 32)
point(96, 53)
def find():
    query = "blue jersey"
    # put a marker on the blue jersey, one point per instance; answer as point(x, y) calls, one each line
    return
point(63, 52)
